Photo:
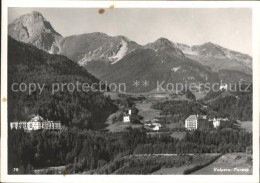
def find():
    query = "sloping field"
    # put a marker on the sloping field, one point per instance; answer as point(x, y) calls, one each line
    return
point(154, 164)
point(229, 164)
point(178, 135)
point(247, 125)
point(180, 170)
point(172, 171)
point(146, 110)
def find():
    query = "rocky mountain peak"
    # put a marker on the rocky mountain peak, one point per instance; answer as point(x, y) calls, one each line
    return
point(36, 16)
point(209, 44)
point(218, 57)
point(35, 29)
point(163, 42)
point(165, 45)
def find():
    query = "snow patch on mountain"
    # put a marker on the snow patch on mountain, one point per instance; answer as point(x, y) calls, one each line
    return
point(120, 53)
point(175, 69)
point(111, 52)
point(189, 51)
point(186, 50)
point(131, 51)
point(89, 56)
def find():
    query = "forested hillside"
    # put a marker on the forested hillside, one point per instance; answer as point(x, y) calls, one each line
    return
point(83, 150)
point(235, 105)
point(28, 64)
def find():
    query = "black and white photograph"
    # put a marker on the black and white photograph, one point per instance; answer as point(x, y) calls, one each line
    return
point(129, 91)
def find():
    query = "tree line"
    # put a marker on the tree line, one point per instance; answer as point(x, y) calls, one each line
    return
point(84, 150)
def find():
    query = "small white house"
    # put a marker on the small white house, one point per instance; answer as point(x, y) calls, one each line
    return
point(216, 122)
point(156, 128)
point(126, 119)
point(223, 87)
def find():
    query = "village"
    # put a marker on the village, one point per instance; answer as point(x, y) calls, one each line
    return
point(193, 122)
point(154, 120)
point(128, 118)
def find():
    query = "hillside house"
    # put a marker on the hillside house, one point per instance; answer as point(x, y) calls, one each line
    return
point(126, 116)
point(223, 87)
point(36, 123)
point(194, 122)
point(191, 123)
point(201, 122)
point(126, 119)
point(156, 128)
point(216, 121)
point(153, 125)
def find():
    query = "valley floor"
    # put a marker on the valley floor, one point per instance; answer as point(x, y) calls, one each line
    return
point(146, 110)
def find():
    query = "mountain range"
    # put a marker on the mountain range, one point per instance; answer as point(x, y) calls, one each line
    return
point(118, 59)
point(217, 57)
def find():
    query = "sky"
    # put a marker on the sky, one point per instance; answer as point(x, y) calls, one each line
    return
point(227, 27)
